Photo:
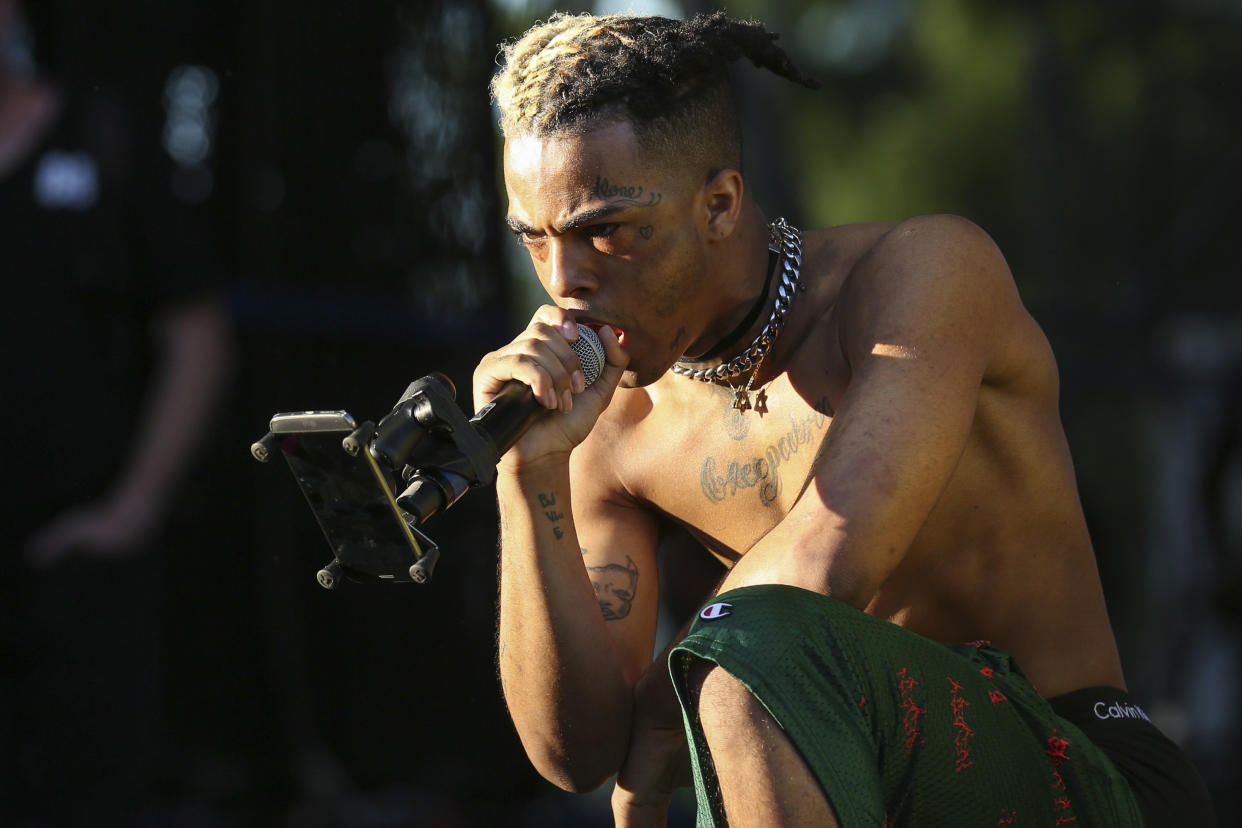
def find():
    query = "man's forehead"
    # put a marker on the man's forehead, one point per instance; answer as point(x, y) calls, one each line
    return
point(611, 145)
point(561, 174)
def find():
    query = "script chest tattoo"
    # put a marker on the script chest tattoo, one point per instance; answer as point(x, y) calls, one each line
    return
point(721, 479)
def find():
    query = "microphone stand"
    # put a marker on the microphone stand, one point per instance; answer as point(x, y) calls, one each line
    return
point(438, 454)
point(442, 452)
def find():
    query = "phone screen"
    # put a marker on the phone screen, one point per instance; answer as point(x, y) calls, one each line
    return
point(352, 498)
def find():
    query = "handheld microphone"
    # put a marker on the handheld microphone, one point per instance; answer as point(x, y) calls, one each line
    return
point(514, 409)
point(470, 455)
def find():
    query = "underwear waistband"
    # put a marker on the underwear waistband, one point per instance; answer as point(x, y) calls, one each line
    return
point(1103, 704)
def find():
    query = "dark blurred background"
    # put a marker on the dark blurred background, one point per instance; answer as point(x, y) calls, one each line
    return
point(338, 167)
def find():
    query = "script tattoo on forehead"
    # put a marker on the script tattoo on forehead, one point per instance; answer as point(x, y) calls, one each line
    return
point(631, 195)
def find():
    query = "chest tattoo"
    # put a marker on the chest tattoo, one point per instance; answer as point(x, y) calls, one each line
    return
point(736, 424)
point(722, 479)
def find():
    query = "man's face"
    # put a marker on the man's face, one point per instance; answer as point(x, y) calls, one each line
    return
point(612, 239)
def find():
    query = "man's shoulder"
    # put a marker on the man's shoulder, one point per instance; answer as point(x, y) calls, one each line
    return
point(850, 264)
point(609, 442)
point(940, 257)
point(885, 245)
point(926, 278)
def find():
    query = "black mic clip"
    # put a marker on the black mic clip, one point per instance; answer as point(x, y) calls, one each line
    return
point(443, 454)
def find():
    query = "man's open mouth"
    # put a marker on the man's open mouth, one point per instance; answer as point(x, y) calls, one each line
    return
point(595, 326)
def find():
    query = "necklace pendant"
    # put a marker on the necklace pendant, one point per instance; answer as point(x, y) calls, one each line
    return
point(761, 402)
point(741, 399)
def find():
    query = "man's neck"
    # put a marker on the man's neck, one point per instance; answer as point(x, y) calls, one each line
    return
point(742, 272)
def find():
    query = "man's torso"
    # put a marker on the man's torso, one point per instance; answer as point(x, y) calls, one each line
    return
point(1004, 554)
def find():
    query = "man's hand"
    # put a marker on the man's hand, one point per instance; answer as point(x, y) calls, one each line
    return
point(195, 360)
point(658, 762)
point(541, 357)
point(109, 530)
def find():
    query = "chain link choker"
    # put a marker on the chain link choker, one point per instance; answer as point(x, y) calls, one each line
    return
point(786, 241)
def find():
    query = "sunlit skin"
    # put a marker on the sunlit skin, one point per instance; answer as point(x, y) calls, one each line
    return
point(917, 468)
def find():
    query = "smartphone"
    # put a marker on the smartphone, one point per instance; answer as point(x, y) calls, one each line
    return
point(371, 537)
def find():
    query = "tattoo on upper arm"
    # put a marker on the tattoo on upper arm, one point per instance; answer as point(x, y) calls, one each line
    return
point(615, 587)
point(547, 500)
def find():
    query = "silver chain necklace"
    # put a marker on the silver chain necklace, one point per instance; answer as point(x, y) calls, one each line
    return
point(786, 241)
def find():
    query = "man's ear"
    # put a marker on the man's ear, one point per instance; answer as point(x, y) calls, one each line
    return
point(722, 201)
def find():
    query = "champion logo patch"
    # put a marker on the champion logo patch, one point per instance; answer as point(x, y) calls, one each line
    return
point(711, 612)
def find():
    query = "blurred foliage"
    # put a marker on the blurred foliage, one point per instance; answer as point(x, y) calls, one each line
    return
point(1090, 138)
point(914, 141)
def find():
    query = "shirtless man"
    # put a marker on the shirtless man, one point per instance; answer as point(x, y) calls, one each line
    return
point(879, 462)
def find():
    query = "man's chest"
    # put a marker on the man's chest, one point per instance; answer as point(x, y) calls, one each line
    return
point(730, 475)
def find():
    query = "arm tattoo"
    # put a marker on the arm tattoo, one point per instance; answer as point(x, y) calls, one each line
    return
point(547, 500)
point(615, 587)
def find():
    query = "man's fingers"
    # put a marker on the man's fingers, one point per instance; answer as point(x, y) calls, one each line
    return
point(537, 369)
point(558, 318)
point(629, 812)
point(540, 357)
point(615, 361)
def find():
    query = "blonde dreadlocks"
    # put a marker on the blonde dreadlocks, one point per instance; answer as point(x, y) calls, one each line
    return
point(668, 78)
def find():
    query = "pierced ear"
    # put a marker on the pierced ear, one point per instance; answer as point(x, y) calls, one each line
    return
point(722, 198)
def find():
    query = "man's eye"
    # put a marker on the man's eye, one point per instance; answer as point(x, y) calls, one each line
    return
point(602, 231)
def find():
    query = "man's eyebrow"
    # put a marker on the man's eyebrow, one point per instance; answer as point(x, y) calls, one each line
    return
point(573, 222)
point(589, 215)
point(518, 226)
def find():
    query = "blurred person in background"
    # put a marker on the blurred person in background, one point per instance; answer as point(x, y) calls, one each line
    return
point(116, 349)
point(861, 422)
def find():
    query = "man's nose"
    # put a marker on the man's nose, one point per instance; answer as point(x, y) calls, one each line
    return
point(569, 273)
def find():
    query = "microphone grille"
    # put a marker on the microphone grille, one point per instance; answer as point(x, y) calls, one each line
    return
point(590, 353)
